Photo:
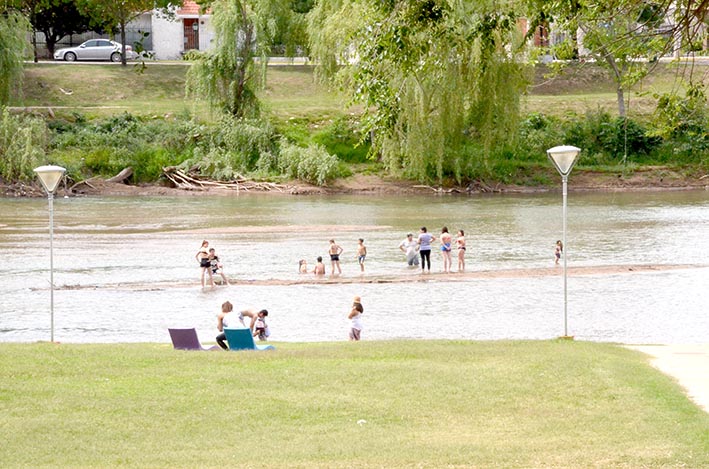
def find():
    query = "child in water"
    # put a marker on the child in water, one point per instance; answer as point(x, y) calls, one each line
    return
point(557, 252)
point(216, 265)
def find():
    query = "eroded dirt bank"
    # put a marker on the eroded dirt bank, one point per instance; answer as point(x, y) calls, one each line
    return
point(649, 179)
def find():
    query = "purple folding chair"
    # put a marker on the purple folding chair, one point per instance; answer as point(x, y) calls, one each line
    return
point(186, 339)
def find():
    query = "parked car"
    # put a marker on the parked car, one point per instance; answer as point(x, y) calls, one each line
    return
point(95, 49)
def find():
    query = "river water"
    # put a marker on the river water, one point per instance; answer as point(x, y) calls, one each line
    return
point(124, 268)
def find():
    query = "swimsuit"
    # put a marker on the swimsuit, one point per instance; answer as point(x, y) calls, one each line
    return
point(204, 262)
point(361, 258)
point(334, 257)
point(446, 247)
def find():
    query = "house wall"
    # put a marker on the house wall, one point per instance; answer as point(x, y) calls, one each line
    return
point(206, 33)
point(167, 37)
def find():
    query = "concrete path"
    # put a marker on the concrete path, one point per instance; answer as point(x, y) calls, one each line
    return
point(688, 364)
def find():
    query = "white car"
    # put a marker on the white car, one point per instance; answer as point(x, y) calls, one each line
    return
point(95, 49)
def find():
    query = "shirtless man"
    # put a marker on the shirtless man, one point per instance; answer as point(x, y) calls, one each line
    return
point(319, 267)
point(335, 251)
point(361, 253)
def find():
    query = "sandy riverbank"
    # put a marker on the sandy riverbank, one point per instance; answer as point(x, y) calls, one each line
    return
point(647, 179)
point(414, 275)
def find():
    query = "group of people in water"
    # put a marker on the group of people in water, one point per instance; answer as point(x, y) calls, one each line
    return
point(422, 246)
point(210, 264)
point(413, 249)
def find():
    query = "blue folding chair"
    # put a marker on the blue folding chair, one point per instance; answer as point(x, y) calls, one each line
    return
point(241, 339)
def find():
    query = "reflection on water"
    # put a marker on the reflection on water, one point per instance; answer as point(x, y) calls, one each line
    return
point(147, 247)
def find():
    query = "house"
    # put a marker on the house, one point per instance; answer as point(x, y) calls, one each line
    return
point(181, 30)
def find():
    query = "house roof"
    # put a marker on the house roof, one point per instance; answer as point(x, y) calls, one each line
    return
point(190, 9)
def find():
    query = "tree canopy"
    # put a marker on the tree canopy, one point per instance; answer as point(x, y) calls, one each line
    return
point(13, 49)
point(441, 80)
point(226, 75)
point(59, 18)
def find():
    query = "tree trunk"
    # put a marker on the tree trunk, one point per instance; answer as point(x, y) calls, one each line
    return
point(123, 43)
point(621, 101)
point(51, 42)
point(34, 45)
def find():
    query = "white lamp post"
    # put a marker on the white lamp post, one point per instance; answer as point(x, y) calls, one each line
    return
point(50, 176)
point(564, 157)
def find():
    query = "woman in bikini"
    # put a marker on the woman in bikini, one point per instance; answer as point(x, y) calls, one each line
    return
point(202, 257)
point(446, 249)
point(460, 242)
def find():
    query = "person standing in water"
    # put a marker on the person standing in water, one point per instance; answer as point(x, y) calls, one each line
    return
point(557, 252)
point(460, 243)
point(335, 251)
point(410, 248)
point(446, 248)
point(424, 241)
point(205, 264)
point(361, 253)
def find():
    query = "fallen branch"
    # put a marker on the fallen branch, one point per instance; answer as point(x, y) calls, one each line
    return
point(85, 182)
point(182, 180)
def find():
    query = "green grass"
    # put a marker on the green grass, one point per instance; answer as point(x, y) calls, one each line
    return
point(425, 403)
point(292, 91)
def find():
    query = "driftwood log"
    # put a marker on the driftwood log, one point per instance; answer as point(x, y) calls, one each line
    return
point(183, 180)
point(478, 186)
point(123, 176)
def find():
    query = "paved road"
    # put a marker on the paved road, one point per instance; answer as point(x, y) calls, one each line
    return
point(689, 364)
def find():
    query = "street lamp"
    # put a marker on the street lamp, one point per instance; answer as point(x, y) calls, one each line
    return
point(564, 157)
point(50, 176)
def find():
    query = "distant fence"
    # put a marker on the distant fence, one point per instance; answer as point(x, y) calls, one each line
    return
point(133, 35)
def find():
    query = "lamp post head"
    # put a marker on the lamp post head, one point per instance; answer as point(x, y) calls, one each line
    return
point(564, 157)
point(50, 176)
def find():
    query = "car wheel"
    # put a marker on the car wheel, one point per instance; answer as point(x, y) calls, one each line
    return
point(116, 57)
point(70, 56)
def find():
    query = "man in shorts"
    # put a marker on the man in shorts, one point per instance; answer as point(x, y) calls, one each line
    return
point(335, 251)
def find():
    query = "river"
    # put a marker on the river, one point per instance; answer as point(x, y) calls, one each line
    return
point(125, 271)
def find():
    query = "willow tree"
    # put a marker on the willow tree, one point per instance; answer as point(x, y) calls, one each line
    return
point(226, 75)
point(13, 50)
point(440, 80)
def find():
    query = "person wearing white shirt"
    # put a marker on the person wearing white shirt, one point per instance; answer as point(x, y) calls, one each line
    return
point(410, 248)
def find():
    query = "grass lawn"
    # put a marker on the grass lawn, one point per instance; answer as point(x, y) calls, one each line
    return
point(291, 91)
point(369, 404)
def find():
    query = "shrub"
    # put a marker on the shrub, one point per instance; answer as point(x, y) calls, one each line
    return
point(23, 141)
point(107, 146)
point(684, 122)
point(234, 148)
point(312, 164)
